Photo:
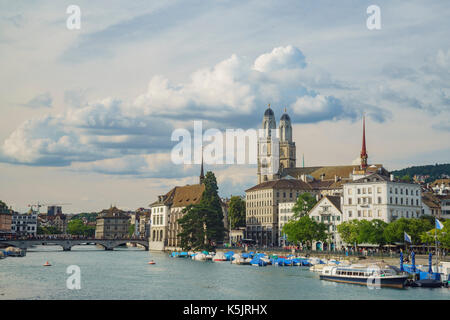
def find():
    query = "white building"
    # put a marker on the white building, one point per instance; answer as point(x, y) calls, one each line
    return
point(159, 222)
point(380, 197)
point(328, 211)
point(285, 214)
point(24, 224)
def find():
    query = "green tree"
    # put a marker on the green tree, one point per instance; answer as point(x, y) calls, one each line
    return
point(348, 231)
point(77, 227)
point(131, 228)
point(3, 207)
point(236, 212)
point(207, 214)
point(305, 231)
point(305, 202)
point(415, 228)
point(443, 236)
point(47, 230)
point(193, 225)
point(377, 232)
point(406, 178)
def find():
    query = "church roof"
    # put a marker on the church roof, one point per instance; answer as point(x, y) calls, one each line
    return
point(112, 212)
point(268, 112)
point(326, 172)
point(281, 184)
point(187, 195)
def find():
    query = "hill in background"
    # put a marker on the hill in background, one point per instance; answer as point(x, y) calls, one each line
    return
point(437, 171)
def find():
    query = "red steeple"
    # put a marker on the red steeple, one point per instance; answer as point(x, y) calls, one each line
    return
point(363, 149)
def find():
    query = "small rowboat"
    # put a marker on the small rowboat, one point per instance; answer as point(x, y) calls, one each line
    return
point(152, 262)
point(47, 264)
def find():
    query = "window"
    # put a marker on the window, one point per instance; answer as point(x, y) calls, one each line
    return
point(379, 200)
point(349, 214)
point(349, 191)
point(378, 189)
point(359, 213)
point(369, 190)
point(359, 191)
point(349, 200)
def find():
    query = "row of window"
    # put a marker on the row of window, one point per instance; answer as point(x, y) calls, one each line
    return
point(365, 214)
point(368, 190)
point(158, 220)
point(253, 212)
point(326, 218)
point(158, 210)
point(252, 220)
point(29, 228)
point(365, 200)
point(254, 196)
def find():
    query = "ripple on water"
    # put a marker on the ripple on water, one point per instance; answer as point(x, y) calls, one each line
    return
point(126, 274)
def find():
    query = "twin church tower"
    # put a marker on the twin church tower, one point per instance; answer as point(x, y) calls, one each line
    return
point(272, 162)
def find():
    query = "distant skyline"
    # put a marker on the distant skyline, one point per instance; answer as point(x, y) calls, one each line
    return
point(88, 114)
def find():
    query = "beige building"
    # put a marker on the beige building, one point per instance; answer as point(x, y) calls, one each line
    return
point(262, 203)
point(112, 223)
point(165, 213)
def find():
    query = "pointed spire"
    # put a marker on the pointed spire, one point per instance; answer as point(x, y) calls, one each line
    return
point(202, 176)
point(284, 109)
point(363, 149)
point(303, 158)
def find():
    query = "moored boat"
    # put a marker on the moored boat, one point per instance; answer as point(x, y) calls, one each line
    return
point(365, 275)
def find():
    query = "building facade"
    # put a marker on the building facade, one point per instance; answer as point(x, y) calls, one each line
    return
point(112, 223)
point(24, 224)
point(328, 211)
point(262, 206)
point(285, 214)
point(381, 197)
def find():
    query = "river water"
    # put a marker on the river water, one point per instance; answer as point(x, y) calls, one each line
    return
point(125, 274)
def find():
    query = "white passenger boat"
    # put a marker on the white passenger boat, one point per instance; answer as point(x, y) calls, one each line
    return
point(365, 275)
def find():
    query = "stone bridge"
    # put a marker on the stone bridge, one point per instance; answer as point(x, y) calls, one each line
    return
point(67, 244)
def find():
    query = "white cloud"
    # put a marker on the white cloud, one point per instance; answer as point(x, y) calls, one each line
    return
point(230, 94)
point(280, 58)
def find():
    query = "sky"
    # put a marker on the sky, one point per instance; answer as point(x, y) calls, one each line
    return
point(88, 114)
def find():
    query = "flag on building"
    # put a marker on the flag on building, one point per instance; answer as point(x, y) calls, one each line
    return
point(407, 237)
point(439, 225)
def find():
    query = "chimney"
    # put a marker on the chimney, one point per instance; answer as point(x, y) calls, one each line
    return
point(392, 177)
point(335, 178)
